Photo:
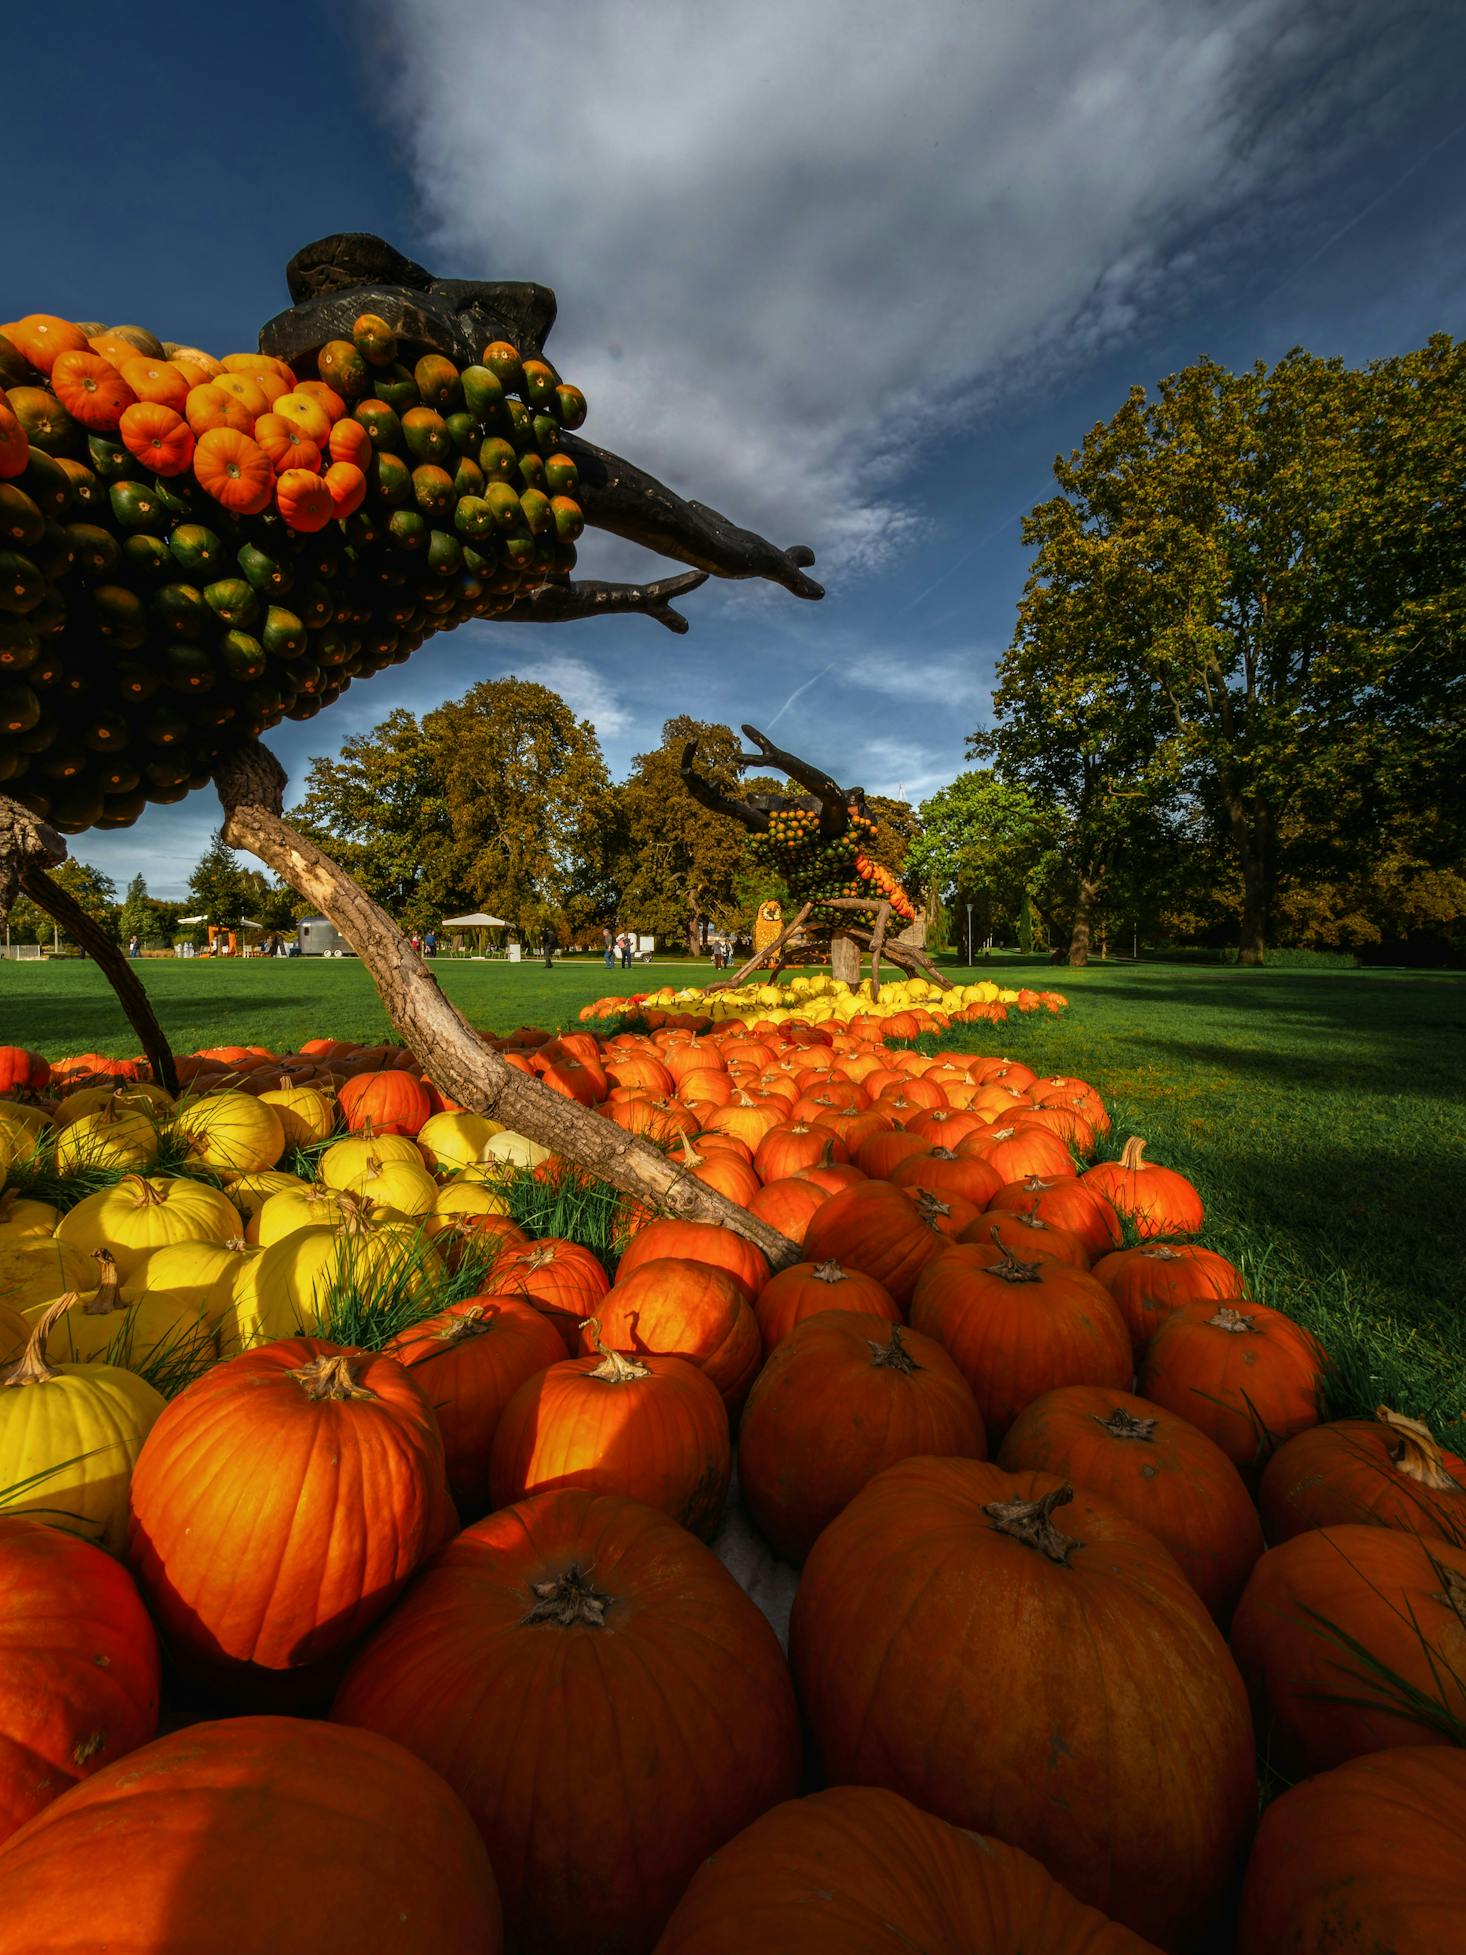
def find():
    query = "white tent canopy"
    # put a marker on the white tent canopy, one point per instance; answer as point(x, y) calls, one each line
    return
point(478, 921)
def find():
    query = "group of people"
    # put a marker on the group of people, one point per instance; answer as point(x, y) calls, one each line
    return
point(427, 944)
point(617, 947)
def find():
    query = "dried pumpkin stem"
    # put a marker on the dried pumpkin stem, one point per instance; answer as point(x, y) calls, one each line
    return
point(1028, 1521)
point(1415, 1452)
point(1124, 1425)
point(614, 1369)
point(330, 1376)
point(569, 1602)
point(32, 1369)
point(1011, 1268)
point(107, 1298)
point(1134, 1155)
point(1231, 1320)
point(893, 1353)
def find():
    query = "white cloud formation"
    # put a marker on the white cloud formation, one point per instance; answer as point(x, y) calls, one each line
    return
point(795, 245)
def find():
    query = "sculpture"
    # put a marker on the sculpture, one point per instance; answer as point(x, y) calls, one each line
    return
point(158, 626)
point(818, 842)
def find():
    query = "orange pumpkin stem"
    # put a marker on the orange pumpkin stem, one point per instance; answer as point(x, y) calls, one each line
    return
point(1416, 1453)
point(32, 1369)
point(329, 1376)
point(1134, 1155)
point(1028, 1521)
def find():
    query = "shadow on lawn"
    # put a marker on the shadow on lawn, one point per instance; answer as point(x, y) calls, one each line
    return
point(52, 1021)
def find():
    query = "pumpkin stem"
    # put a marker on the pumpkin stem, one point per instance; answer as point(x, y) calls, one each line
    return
point(893, 1353)
point(614, 1369)
point(106, 1299)
point(1134, 1155)
point(472, 1321)
point(1012, 1268)
point(1160, 1252)
point(569, 1601)
point(1028, 1521)
point(32, 1368)
point(1228, 1319)
point(1415, 1452)
point(329, 1376)
point(143, 1191)
point(830, 1272)
point(930, 1206)
point(1124, 1425)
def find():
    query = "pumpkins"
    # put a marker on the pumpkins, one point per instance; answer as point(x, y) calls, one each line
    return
point(386, 1102)
point(78, 1666)
point(620, 1709)
point(145, 1326)
point(1388, 1471)
point(1020, 1659)
point(304, 1838)
point(1365, 1859)
point(305, 1114)
point(69, 1437)
point(22, 1071)
point(34, 1271)
point(879, 1230)
point(671, 1308)
point(1150, 1281)
point(1352, 1639)
point(1248, 1376)
point(1157, 1470)
point(240, 1133)
point(650, 1428)
point(841, 1398)
point(142, 1213)
point(470, 1359)
point(697, 1242)
point(860, 1871)
point(564, 1281)
point(247, 1534)
point(805, 1289)
point(1017, 1329)
point(1154, 1200)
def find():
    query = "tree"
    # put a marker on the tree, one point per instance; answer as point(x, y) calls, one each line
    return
point(1272, 563)
point(986, 842)
point(94, 891)
point(679, 868)
point(497, 801)
point(381, 808)
point(223, 890)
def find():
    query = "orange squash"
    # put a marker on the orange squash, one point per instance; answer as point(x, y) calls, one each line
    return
point(159, 436)
point(91, 390)
point(234, 470)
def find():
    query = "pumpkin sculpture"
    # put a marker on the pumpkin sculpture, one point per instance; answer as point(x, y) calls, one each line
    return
point(1154, 1467)
point(263, 533)
point(1388, 1471)
point(840, 1399)
point(249, 1834)
point(861, 1871)
point(1022, 1660)
point(78, 1666)
point(283, 1573)
point(591, 1649)
point(1352, 1639)
point(1366, 1858)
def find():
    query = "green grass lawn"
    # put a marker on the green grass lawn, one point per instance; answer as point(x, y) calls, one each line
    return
point(1319, 1112)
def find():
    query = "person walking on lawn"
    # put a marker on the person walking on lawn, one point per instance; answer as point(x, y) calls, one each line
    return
point(608, 938)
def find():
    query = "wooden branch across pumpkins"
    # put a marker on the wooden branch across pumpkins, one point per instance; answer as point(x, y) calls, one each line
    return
point(251, 786)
